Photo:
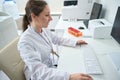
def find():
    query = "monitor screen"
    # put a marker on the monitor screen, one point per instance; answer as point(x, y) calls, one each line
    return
point(115, 33)
point(70, 2)
point(95, 13)
point(96, 10)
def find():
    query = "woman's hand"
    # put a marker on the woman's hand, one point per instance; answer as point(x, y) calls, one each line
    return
point(80, 42)
point(79, 76)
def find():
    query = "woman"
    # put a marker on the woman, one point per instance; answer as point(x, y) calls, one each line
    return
point(36, 45)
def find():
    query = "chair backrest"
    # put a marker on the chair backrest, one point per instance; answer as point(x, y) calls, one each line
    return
point(11, 62)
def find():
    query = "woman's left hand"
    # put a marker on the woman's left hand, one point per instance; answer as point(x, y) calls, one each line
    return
point(80, 42)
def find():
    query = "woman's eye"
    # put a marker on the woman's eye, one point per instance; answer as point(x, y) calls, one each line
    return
point(47, 15)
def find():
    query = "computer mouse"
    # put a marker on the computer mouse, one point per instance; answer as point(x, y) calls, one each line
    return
point(81, 27)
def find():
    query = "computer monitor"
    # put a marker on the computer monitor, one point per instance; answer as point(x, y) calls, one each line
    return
point(95, 14)
point(115, 33)
point(96, 10)
point(70, 2)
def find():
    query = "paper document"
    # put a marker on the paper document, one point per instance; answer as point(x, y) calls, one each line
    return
point(86, 33)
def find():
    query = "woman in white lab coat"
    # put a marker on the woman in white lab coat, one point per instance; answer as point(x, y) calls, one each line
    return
point(36, 45)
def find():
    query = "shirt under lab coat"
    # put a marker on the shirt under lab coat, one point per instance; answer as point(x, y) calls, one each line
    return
point(35, 50)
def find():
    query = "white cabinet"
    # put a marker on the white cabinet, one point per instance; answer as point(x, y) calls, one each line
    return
point(8, 30)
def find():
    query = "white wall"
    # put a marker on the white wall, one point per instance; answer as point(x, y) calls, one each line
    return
point(110, 9)
point(21, 5)
point(55, 5)
point(1, 5)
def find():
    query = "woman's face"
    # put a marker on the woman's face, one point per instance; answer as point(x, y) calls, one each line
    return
point(43, 19)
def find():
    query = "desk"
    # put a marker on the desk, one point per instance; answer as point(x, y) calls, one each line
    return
point(71, 59)
point(65, 24)
point(76, 24)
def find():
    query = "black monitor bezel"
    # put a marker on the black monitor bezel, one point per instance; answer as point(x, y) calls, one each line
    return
point(115, 33)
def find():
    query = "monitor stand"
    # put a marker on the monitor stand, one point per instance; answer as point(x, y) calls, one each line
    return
point(86, 22)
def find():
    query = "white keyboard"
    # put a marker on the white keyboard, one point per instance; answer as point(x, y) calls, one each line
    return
point(91, 63)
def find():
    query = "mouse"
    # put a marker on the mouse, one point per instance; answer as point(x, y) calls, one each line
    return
point(81, 27)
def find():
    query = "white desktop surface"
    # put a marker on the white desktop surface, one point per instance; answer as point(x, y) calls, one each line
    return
point(75, 24)
point(65, 24)
point(71, 58)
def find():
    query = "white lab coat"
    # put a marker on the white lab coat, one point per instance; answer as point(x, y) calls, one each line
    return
point(35, 52)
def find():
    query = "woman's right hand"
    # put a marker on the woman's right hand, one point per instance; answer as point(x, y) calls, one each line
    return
point(80, 76)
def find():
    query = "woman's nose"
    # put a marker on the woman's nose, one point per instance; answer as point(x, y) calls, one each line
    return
point(50, 18)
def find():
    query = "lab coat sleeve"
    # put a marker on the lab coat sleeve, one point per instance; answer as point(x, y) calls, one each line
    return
point(62, 41)
point(36, 69)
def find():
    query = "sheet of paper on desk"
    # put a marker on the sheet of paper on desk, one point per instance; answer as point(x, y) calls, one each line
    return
point(86, 33)
point(97, 78)
point(71, 60)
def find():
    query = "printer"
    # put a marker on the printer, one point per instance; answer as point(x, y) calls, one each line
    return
point(100, 28)
point(73, 10)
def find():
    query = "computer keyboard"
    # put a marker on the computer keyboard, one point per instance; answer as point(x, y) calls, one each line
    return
point(91, 62)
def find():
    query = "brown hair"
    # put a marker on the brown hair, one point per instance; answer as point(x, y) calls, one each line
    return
point(35, 7)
